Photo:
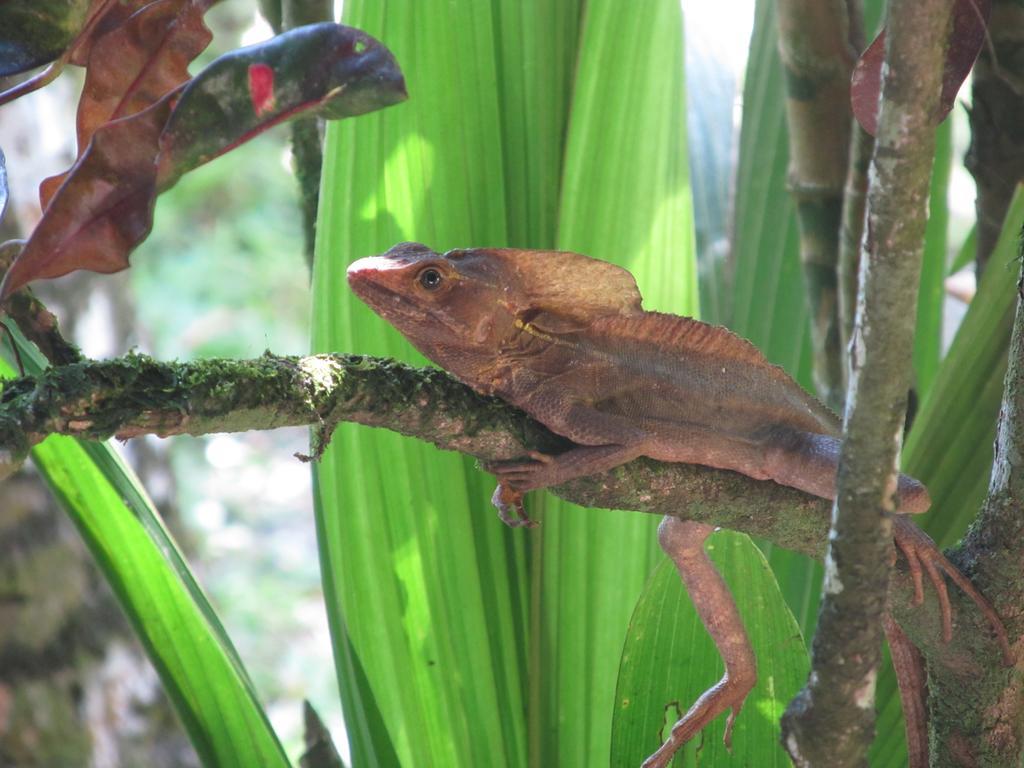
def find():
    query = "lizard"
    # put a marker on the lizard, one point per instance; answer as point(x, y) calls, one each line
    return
point(565, 338)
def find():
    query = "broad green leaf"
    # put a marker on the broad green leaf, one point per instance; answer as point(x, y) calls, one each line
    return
point(669, 660)
point(950, 447)
point(536, 64)
point(769, 302)
point(37, 32)
point(625, 198)
point(769, 305)
point(198, 666)
point(427, 593)
point(475, 158)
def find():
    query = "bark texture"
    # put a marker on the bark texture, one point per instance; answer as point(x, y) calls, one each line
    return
point(989, 730)
point(862, 145)
point(75, 688)
point(831, 721)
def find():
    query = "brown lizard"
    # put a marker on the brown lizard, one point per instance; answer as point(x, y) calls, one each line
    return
point(565, 338)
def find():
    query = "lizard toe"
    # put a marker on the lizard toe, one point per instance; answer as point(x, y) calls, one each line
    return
point(921, 552)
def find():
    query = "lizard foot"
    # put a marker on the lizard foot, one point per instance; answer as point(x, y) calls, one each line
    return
point(509, 504)
point(924, 557)
point(683, 541)
point(724, 695)
point(522, 474)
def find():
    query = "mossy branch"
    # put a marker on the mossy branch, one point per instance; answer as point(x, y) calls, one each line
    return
point(136, 395)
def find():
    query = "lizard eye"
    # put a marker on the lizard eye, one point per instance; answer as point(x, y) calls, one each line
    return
point(430, 279)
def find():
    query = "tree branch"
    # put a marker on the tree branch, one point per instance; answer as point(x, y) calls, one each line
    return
point(831, 721)
point(137, 395)
point(862, 145)
point(989, 730)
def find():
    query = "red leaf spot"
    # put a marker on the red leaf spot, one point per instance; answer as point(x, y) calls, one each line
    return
point(261, 88)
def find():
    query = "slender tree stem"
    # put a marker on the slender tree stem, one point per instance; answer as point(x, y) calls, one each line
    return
point(831, 721)
point(814, 42)
point(854, 203)
point(307, 132)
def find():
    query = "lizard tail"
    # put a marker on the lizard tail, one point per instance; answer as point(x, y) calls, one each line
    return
point(809, 462)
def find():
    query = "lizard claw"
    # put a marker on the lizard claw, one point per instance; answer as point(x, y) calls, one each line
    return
point(727, 694)
point(522, 475)
point(924, 557)
point(509, 503)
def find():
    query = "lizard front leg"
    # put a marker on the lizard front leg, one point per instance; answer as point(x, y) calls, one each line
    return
point(603, 440)
point(683, 541)
point(540, 470)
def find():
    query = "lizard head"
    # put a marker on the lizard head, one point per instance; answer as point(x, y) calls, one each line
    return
point(461, 307)
point(448, 305)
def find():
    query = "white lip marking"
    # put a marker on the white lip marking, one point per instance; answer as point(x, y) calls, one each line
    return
point(375, 264)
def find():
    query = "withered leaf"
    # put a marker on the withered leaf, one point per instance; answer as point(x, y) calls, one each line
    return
point(104, 16)
point(104, 208)
point(135, 63)
point(325, 69)
point(970, 21)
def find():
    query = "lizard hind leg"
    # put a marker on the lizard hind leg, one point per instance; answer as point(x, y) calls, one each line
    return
point(683, 541)
point(920, 551)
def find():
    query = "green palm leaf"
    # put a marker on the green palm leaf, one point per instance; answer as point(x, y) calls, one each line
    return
point(670, 658)
point(534, 620)
point(426, 591)
point(770, 307)
point(625, 198)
